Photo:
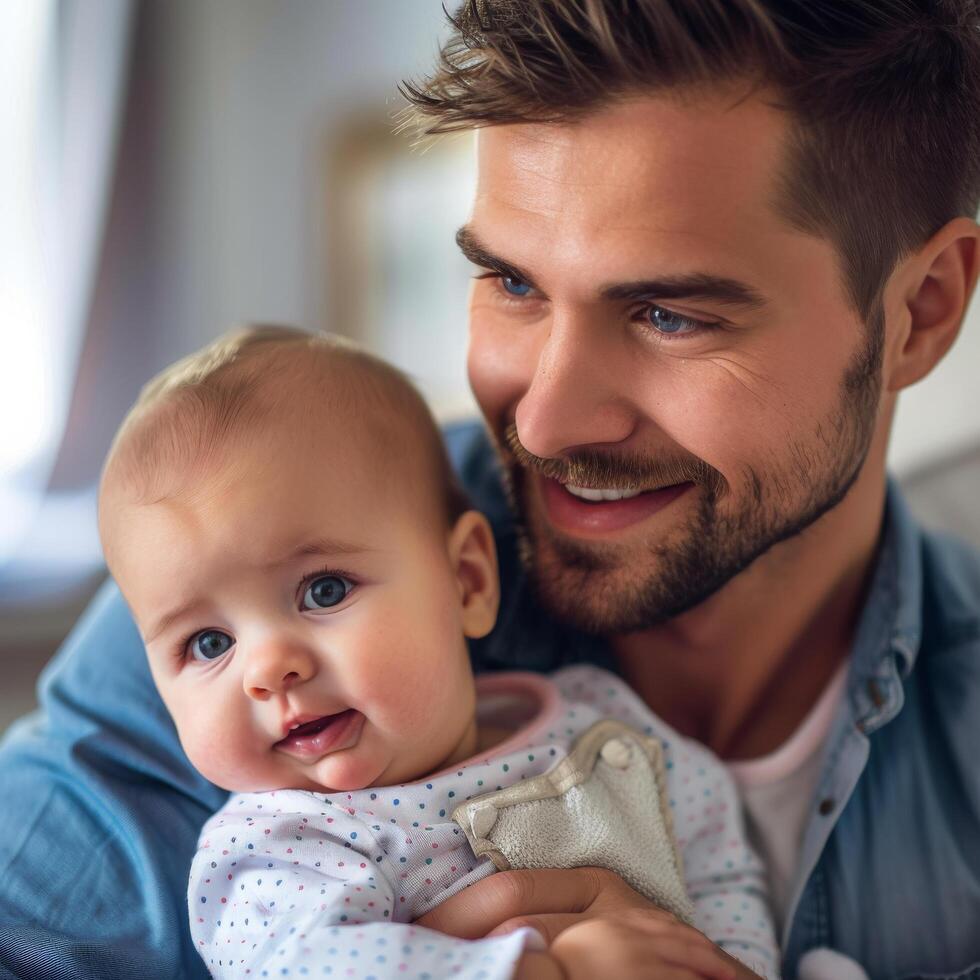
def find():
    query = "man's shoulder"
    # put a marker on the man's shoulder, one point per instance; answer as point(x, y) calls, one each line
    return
point(951, 601)
point(943, 689)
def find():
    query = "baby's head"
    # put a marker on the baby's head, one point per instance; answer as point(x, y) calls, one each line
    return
point(279, 514)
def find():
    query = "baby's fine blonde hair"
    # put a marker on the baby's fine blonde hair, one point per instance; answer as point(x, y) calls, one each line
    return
point(195, 408)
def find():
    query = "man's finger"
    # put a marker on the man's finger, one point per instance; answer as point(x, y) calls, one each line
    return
point(595, 946)
point(705, 962)
point(548, 925)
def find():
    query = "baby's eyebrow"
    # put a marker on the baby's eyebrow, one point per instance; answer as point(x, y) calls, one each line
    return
point(325, 547)
point(165, 621)
point(322, 547)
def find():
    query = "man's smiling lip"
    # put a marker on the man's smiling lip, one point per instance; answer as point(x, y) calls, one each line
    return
point(312, 741)
point(573, 515)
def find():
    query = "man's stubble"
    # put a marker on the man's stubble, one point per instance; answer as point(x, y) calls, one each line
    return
point(605, 589)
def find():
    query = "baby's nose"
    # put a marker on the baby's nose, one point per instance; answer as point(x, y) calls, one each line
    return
point(276, 666)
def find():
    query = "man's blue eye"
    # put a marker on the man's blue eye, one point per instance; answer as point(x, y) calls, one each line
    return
point(514, 286)
point(326, 591)
point(666, 322)
point(210, 644)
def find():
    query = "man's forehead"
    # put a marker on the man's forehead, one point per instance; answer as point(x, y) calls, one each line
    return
point(656, 154)
point(647, 185)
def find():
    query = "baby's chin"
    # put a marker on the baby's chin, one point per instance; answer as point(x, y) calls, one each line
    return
point(343, 772)
point(279, 785)
point(334, 777)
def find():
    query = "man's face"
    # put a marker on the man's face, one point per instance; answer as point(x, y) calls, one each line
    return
point(644, 321)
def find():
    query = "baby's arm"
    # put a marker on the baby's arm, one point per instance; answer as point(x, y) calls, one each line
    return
point(278, 886)
point(725, 879)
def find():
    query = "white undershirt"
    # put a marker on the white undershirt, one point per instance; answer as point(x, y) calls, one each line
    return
point(777, 792)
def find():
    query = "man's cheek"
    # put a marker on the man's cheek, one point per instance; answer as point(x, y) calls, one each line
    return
point(494, 390)
point(719, 409)
point(679, 414)
point(500, 364)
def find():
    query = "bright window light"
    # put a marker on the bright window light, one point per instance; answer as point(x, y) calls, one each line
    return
point(27, 294)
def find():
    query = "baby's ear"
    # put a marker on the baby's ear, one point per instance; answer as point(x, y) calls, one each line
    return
point(474, 558)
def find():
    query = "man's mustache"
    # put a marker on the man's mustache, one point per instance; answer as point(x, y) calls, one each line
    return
point(619, 471)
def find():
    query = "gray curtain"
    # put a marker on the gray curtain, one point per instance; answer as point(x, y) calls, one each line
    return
point(65, 63)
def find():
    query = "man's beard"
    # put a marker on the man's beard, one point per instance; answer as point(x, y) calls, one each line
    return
point(604, 589)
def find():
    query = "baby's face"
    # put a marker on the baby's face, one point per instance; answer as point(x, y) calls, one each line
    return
point(302, 615)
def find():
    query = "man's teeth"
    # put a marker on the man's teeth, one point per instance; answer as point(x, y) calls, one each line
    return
point(587, 493)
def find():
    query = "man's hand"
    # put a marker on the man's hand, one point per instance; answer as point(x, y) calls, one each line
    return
point(592, 922)
point(548, 899)
point(603, 947)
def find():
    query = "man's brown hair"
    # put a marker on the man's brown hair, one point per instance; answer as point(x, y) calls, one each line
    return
point(883, 96)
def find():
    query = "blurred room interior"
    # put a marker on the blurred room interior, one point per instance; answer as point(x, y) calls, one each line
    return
point(176, 167)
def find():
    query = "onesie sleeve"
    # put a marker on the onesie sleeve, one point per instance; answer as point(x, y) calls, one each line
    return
point(725, 879)
point(279, 887)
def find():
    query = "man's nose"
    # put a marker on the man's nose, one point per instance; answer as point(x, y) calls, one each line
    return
point(579, 392)
point(275, 665)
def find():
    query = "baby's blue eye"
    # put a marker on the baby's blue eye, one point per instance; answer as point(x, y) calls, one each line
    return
point(326, 591)
point(514, 286)
point(666, 322)
point(210, 644)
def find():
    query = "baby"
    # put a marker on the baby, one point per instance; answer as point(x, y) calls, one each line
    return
point(280, 515)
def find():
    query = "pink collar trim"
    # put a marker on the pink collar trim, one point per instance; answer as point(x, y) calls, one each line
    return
point(540, 690)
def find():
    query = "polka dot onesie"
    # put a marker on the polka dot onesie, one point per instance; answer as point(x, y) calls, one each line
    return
point(294, 883)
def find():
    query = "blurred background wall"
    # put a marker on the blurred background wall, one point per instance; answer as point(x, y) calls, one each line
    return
point(251, 173)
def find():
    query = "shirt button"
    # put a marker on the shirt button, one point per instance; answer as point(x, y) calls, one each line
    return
point(875, 693)
point(616, 752)
point(826, 807)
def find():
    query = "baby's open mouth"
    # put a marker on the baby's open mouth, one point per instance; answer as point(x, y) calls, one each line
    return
point(312, 727)
point(321, 735)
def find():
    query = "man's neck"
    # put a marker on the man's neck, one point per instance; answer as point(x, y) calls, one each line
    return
point(740, 671)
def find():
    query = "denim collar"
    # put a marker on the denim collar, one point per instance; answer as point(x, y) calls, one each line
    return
point(889, 633)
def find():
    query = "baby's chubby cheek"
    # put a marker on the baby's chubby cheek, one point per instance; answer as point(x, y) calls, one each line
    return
point(218, 752)
point(421, 702)
point(395, 698)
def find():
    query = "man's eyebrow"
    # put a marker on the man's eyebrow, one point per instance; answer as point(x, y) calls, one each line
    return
point(479, 255)
point(693, 286)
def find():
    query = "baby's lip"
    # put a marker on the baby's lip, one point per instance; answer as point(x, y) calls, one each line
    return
point(322, 735)
point(296, 724)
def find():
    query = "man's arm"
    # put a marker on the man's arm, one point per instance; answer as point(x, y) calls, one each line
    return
point(99, 816)
point(593, 923)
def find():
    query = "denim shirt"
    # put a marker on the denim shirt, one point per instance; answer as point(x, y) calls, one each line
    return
point(100, 809)
point(890, 866)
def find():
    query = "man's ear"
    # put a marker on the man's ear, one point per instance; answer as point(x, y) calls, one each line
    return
point(474, 558)
point(936, 291)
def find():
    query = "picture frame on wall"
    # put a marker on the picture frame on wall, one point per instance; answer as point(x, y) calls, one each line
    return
point(397, 282)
